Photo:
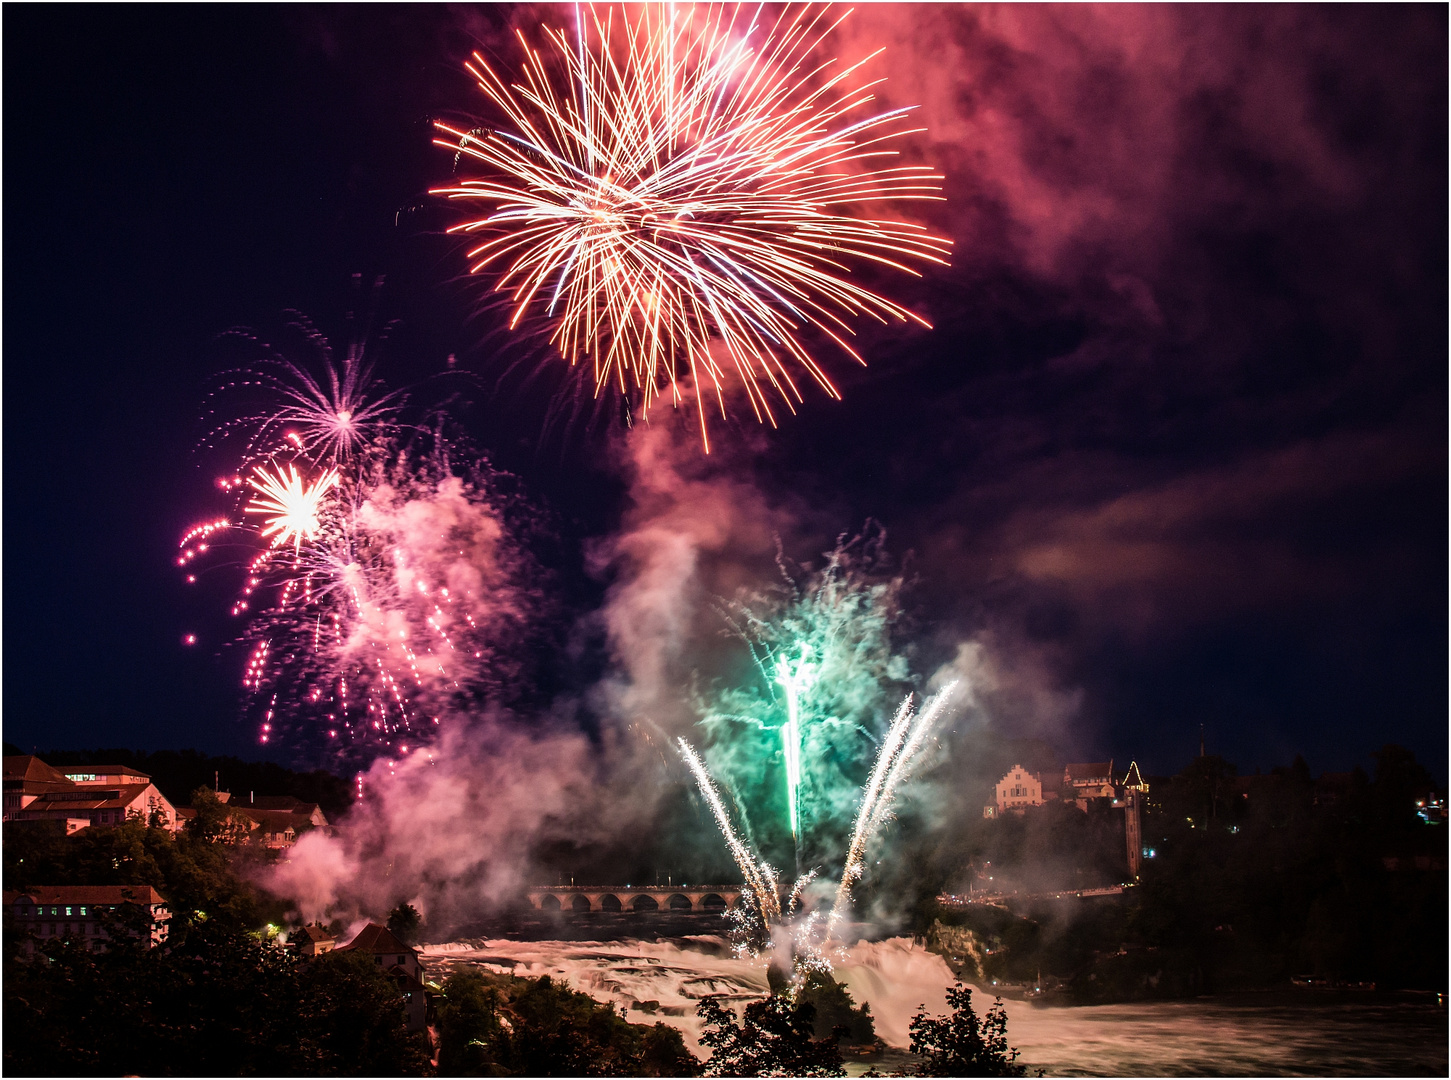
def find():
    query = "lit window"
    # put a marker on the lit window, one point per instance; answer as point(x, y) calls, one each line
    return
point(68, 911)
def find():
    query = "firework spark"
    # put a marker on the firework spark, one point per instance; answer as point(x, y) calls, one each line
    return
point(675, 191)
point(894, 760)
point(376, 605)
point(293, 505)
point(759, 876)
point(794, 679)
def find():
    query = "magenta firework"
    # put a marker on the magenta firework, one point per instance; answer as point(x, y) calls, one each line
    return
point(377, 572)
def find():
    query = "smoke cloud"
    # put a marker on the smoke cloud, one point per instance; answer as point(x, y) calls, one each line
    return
point(449, 828)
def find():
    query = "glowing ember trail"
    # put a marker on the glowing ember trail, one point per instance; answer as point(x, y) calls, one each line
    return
point(675, 191)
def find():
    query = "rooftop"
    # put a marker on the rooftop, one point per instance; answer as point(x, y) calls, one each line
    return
point(374, 939)
point(86, 894)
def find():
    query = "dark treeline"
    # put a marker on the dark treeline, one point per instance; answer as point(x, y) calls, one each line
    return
point(177, 773)
point(1251, 882)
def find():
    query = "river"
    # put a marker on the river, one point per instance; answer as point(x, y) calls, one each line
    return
point(1295, 1033)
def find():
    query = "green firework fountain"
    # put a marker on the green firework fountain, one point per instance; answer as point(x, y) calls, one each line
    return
point(898, 751)
point(820, 711)
point(794, 680)
point(794, 739)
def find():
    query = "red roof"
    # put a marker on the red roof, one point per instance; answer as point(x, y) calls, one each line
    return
point(85, 797)
point(87, 894)
point(1091, 770)
point(312, 932)
point(33, 774)
point(375, 939)
point(273, 821)
point(106, 770)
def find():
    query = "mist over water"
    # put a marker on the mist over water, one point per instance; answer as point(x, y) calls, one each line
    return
point(1270, 1034)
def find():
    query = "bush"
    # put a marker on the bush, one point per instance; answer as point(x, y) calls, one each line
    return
point(961, 1044)
point(500, 1025)
point(775, 1038)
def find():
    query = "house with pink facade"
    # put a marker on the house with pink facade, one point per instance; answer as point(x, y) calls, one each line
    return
point(87, 915)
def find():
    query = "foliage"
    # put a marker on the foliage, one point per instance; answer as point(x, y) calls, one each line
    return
point(404, 922)
point(214, 1001)
point(491, 1025)
point(195, 874)
point(962, 1044)
point(216, 821)
point(837, 1014)
point(774, 1038)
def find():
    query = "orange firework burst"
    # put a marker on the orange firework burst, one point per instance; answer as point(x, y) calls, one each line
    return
point(674, 189)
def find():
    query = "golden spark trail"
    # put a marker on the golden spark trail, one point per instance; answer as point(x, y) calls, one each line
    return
point(760, 879)
point(903, 740)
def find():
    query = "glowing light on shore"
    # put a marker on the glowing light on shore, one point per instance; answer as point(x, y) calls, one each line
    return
point(677, 191)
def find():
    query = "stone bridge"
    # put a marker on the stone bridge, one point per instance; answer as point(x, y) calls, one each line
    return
point(636, 898)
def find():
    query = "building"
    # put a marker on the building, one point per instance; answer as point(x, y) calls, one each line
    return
point(303, 813)
point(312, 940)
point(27, 778)
point(400, 963)
point(1085, 781)
point(82, 796)
point(85, 914)
point(1016, 791)
point(280, 819)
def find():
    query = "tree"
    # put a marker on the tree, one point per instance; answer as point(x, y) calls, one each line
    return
point(215, 821)
point(837, 1015)
point(404, 921)
point(961, 1044)
point(215, 1001)
point(469, 1031)
point(773, 1039)
point(499, 1025)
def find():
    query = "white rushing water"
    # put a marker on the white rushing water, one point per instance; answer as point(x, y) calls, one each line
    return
point(1251, 1035)
point(671, 977)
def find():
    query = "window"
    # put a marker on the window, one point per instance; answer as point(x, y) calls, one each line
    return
point(68, 911)
point(83, 909)
point(80, 776)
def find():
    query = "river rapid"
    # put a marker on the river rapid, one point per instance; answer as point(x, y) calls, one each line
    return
point(1307, 1033)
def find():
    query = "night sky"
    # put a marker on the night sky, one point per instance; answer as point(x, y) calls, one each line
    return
point(1174, 453)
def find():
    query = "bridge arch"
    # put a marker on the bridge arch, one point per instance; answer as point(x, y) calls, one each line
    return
point(713, 902)
point(580, 903)
point(549, 902)
point(645, 902)
point(679, 902)
point(610, 902)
